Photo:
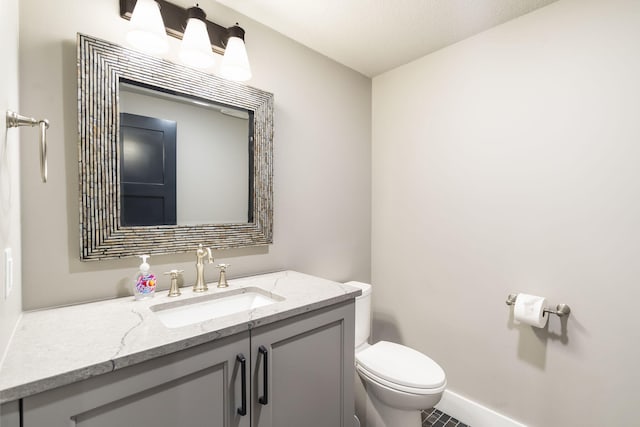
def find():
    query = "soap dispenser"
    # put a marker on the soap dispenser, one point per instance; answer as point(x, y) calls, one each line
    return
point(145, 282)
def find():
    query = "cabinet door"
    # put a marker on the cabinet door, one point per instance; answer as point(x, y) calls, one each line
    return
point(200, 386)
point(10, 414)
point(308, 366)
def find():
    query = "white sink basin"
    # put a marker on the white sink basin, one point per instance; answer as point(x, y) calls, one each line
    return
point(195, 310)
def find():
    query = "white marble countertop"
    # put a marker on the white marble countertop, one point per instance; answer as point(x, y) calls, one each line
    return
point(59, 346)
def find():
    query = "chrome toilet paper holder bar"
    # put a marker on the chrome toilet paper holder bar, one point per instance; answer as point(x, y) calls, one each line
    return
point(561, 309)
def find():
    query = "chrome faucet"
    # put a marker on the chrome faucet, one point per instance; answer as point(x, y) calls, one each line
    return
point(200, 285)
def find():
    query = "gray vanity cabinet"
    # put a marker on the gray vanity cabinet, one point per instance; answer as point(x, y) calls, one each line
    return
point(196, 387)
point(307, 362)
point(309, 371)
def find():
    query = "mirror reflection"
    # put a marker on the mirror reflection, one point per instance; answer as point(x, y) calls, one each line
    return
point(183, 160)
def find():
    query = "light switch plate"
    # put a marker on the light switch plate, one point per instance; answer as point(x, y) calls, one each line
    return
point(8, 272)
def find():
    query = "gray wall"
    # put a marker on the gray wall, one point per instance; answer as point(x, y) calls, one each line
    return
point(322, 159)
point(509, 163)
point(10, 141)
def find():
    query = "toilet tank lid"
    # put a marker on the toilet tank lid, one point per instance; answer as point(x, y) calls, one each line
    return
point(365, 287)
point(401, 365)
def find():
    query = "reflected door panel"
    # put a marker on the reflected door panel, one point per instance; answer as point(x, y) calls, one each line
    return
point(147, 170)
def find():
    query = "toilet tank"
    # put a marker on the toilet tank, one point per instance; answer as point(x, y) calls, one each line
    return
point(363, 313)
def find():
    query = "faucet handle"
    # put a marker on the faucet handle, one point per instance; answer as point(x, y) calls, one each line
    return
point(222, 280)
point(173, 273)
point(174, 291)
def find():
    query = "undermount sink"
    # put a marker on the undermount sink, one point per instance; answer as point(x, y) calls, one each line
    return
point(178, 313)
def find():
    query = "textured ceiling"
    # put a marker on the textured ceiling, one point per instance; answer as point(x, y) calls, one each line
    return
point(374, 36)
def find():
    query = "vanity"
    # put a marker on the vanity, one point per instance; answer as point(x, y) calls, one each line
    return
point(270, 350)
point(288, 362)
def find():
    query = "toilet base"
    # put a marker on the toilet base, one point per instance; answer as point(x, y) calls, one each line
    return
point(388, 416)
point(374, 413)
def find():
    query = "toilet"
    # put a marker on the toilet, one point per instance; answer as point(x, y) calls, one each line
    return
point(393, 382)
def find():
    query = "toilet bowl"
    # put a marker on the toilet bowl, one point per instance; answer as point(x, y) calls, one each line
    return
point(397, 381)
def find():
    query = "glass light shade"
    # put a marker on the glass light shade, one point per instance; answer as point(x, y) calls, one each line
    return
point(235, 63)
point(195, 49)
point(146, 29)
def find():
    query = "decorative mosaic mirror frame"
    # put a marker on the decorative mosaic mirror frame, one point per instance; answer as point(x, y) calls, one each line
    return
point(101, 65)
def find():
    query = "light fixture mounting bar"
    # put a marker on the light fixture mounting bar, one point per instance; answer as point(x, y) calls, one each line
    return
point(175, 21)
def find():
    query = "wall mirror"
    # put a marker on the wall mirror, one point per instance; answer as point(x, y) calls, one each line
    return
point(143, 120)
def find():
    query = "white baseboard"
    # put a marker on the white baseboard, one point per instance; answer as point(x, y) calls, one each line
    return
point(472, 413)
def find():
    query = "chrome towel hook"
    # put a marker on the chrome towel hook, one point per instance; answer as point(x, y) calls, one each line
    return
point(15, 120)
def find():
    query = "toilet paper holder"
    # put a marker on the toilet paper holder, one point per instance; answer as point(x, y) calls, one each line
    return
point(561, 309)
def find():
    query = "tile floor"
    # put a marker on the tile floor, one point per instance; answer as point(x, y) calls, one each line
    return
point(436, 418)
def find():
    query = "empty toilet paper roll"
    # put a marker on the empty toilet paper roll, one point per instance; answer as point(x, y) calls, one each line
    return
point(529, 309)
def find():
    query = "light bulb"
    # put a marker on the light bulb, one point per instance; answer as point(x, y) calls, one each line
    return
point(146, 29)
point(235, 63)
point(195, 49)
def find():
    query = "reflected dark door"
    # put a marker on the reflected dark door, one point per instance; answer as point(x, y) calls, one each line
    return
point(147, 170)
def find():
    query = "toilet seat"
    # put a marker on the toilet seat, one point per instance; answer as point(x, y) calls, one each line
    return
point(401, 368)
point(396, 388)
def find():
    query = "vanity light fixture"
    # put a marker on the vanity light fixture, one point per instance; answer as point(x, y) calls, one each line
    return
point(224, 41)
point(146, 29)
point(235, 64)
point(195, 49)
